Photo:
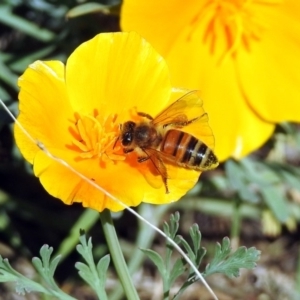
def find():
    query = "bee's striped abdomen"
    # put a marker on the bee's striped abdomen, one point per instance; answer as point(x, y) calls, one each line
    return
point(187, 150)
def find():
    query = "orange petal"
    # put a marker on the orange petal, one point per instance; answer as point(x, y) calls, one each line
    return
point(64, 184)
point(122, 180)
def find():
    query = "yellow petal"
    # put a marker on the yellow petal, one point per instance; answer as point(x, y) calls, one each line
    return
point(118, 71)
point(125, 182)
point(193, 64)
point(270, 74)
point(61, 115)
point(158, 21)
point(236, 127)
point(64, 184)
point(44, 111)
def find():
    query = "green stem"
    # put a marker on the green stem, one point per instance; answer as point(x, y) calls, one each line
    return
point(297, 285)
point(236, 224)
point(144, 239)
point(117, 255)
point(166, 282)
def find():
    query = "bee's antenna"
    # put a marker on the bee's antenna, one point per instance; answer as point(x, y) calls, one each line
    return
point(115, 143)
point(117, 138)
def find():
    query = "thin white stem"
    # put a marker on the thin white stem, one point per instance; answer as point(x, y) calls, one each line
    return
point(62, 162)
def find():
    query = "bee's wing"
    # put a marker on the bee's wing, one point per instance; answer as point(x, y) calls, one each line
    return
point(189, 107)
point(163, 164)
point(186, 113)
point(159, 159)
point(155, 157)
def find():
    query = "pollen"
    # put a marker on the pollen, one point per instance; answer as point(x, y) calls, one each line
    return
point(233, 24)
point(96, 137)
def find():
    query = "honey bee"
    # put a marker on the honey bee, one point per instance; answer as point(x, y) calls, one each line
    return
point(162, 140)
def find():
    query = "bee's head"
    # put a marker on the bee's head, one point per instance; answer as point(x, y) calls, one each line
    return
point(127, 133)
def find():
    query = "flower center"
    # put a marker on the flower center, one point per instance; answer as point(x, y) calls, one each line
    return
point(233, 23)
point(95, 137)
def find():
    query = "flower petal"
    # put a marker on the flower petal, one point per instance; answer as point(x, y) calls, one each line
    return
point(123, 181)
point(270, 74)
point(62, 116)
point(44, 111)
point(236, 127)
point(158, 21)
point(114, 73)
point(66, 185)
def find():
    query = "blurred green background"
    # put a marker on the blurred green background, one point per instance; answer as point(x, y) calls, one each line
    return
point(255, 201)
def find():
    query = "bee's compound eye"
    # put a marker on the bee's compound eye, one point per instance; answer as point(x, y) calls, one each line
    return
point(126, 138)
point(127, 133)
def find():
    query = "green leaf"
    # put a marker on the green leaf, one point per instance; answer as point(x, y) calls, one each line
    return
point(290, 178)
point(216, 265)
point(20, 63)
point(188, 249)
point(179, 268)
point(196, 239)
point(156, 259)
point(231, 263)
point(45, 253)
point(84, 272)
point(102, 267)
point(238, 181)
point(174, 224)
point(87, 8)
point(7, 76)
point(46, 268)
point(166, 228)
point(85, 248)
point(53, 265)
point(25, 285)
point(3, 96)
point(20, 24)
point(91, 273)
point(276, 201)
point(259, 172)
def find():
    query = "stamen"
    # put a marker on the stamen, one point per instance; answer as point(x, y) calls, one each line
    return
point(237, 22)
point(96, 137)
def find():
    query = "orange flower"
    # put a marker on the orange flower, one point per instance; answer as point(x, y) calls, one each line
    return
point(242, 55)
point(76, 110)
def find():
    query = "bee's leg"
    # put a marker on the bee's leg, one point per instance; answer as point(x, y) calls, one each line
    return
point(166, 185)
point(127, 150)
point(204, 117)
point(182, 123)
point(142, 159)
point(160, 166)
point(193, 120)
point(142, 114)
point(165, 180)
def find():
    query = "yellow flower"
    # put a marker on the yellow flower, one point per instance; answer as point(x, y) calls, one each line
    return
point(76, 111)
point(242, 55)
